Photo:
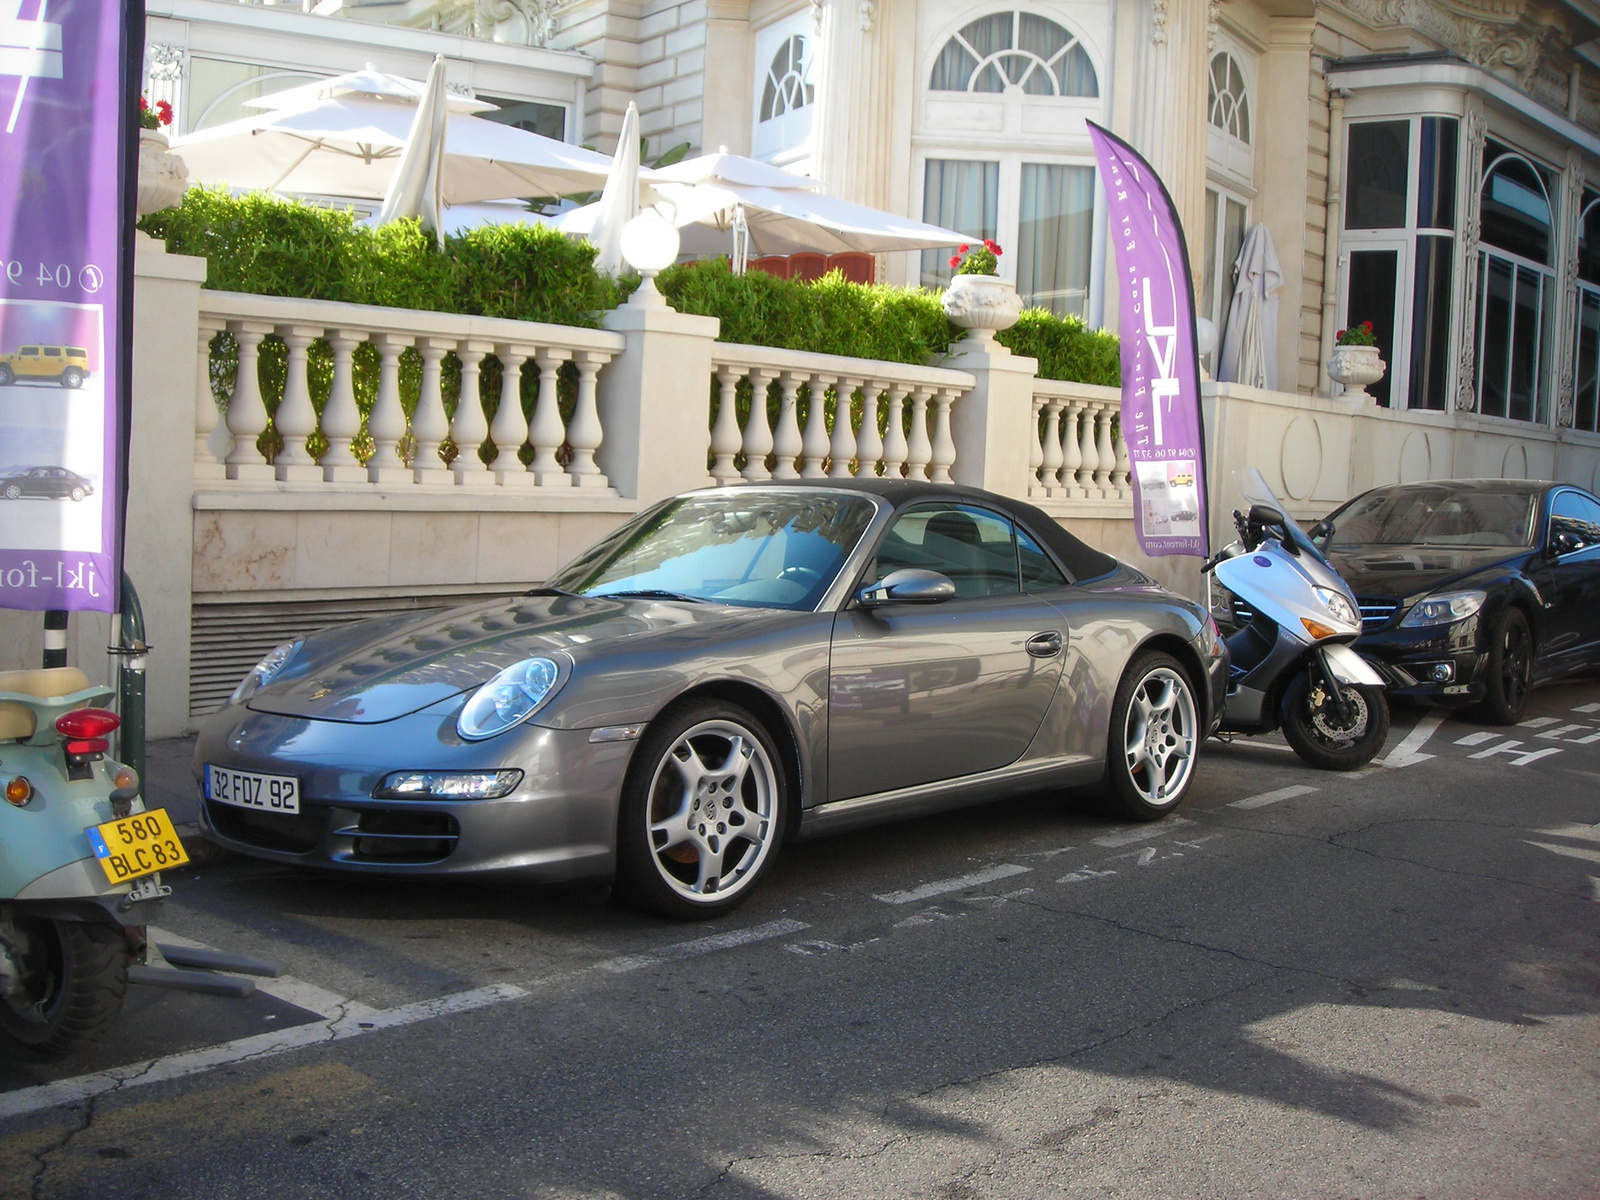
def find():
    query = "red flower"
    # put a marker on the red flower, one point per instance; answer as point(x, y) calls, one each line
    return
point(1367, 325)
point(955, 260)
point(144, 105)
point(163, 111)
point(1340, 334)
point(965, 248)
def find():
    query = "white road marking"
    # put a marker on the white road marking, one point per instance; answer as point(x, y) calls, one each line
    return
point(1142, 834)
point(1587, 708)
point(1555, 735)
point(258, 1046)
point(287, 988)
point(1266, 798)
point(1595, 884)
point(1405, 754)
point(1519, 758)
point(1476, 739)
point(1083, 875)
point(1537, 722)
point(705, 945)
point(959, 884)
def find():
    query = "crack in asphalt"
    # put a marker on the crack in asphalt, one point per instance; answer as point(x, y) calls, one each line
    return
point(91, 1109)
point(841, 1156)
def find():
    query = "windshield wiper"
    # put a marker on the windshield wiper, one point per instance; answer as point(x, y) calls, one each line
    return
point(650, 594)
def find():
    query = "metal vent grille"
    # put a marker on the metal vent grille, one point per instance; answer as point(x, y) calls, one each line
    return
point(227, 639)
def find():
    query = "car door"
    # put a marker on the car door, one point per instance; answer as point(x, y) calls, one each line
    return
point(40, 483)
point(1568, 579)
point(923, 693)
point(28, 362)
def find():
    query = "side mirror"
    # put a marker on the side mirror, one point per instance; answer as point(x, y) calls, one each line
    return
point(1563, 541)
point(1322, 529)
point(909, 585)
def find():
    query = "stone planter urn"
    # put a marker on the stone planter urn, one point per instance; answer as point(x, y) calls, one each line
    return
point(983, 304)
point(1355, 367)
point(163, 178)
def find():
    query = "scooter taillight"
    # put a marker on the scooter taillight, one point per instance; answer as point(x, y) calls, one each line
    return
point(93, 723)
point(81, 747)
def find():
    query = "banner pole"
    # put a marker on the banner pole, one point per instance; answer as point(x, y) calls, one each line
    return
point(55, 638)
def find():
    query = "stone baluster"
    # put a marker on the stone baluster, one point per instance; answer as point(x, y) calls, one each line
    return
point(1052, 448)
point(944, 446)
point(1071, 450)
point(842, 446)
point(429, 424)
point(1103, 447)
point(547, 431)
point(509, 429)
point(387, 422)
point(296, 418)
point(815, 446)
point(1091, 454)
point(341, 418)
point(470, 428)
point(869, 442)
point(758, 439)
point(894, 442)
point(1119, 473)
point(920, 449)
point(247, 414)
point(585, 433)
point(786, 441)
point(206, 417)
point(1036, 486)
point(725, 436)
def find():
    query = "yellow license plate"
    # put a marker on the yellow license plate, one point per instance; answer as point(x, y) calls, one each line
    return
point(136, 846)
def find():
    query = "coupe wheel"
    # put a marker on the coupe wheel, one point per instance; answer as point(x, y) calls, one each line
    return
point(702, 810)
point(1510, 672)
point(1155, 733)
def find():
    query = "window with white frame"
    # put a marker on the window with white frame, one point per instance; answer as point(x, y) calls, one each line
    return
point(785, 92)
point(1516, 284)
point(1586, 376)
point(1015, 49)
point(1399, 240)
point(1230, 173)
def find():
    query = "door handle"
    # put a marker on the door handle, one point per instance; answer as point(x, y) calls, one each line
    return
point(1045, 645)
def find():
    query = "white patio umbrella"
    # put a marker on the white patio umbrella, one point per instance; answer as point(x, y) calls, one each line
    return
point(414, 189)
point(345, 137)
point(1250, 339)
point(619, 203)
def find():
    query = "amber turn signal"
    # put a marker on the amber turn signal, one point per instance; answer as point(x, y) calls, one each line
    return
point(19, 791)
point(126, 777)
point(1317, 629)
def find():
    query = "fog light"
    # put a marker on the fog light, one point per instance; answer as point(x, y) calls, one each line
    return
point(1443, 672)
point(19, 791)
point(447, 785)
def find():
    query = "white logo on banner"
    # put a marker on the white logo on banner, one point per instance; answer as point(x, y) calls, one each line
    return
point(30, 49)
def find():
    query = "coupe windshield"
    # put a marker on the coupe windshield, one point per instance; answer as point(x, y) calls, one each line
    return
point(1437, 516)
point(760, 549)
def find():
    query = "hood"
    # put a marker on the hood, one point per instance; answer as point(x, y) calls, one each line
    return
point(1407, 571)
point(378, 670)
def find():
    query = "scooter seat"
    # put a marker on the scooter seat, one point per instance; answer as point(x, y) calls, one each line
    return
point(17, 721)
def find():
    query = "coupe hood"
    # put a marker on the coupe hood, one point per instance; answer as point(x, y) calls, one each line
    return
point(378, 670)
point(1406, 571)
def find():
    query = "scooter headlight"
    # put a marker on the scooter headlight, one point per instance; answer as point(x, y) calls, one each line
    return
point(261, 674)
point(1445, 608)
point(1340, 609)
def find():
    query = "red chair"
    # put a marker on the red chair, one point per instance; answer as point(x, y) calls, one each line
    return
point(808, 266)
point(857, 267)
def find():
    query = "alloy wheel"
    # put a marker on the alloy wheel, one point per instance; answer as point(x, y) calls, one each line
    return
point(1515, 660)
point(1160, 737)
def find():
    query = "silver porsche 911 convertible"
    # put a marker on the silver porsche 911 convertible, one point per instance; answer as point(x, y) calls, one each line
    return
point(732, 668)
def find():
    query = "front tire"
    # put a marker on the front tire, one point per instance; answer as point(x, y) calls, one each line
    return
point(1155, 735)
point(6, 376)
point(702, 812)
point(74, 975)
point(1510, 672)
point(1314, 729)
point(72, 378)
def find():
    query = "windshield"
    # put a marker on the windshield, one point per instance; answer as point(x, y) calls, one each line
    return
point(760, 549)
point(1437, 516)
point(1255, 490)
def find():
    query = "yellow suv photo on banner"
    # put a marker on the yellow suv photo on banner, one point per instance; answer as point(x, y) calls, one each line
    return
point(66, 365)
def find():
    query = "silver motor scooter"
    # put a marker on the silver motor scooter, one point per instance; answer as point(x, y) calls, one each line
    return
point(1292, 665)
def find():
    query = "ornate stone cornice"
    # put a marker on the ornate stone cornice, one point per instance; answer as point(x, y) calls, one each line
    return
point(1501, 36)
point(166, 62)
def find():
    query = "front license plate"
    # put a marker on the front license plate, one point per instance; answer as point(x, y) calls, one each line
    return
point(247, 789)
point(136, 846)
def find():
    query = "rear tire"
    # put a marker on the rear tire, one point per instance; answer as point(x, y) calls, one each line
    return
point(1314, 730)
point(1510, 669)
point(13, 492)
point(75, 975)
point(1155, 736)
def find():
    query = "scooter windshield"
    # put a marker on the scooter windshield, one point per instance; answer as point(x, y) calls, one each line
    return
point(1256, 490)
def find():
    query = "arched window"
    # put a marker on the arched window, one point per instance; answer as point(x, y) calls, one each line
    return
point(1586, 378)
point(1516, 284)
point(787, 87)
point(1230, 102)
point(1015, 50)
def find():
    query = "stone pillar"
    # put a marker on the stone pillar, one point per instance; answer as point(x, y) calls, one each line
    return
point(855, 123)
point(655, 401)
point(991, 423)
point(1283, 152)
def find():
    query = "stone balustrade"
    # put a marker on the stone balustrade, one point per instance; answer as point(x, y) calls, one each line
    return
point(815, 416)
point(1076, 453)
point(397, 451)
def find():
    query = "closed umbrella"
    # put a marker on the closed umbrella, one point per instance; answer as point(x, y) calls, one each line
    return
point(414, 189)
point(1250, 339)
point(619, 203)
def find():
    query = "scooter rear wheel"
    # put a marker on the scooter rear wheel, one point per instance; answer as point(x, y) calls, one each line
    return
point(1314, 729)
point(74, 975)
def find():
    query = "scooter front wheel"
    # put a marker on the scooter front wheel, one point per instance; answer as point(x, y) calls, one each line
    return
point(1321, 737)
point(71, 980)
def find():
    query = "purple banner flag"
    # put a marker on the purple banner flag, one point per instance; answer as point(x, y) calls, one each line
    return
point(1160, 367)
point(65, 131)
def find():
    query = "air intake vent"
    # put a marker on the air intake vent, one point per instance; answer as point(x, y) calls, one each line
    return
point(227, 639)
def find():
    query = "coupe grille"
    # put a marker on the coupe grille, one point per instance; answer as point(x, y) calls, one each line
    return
point(271, 831)
point(397, 836)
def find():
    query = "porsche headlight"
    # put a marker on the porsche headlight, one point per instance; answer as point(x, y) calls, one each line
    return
point(261, 674)
point(508, 699)
point(1340, 609)
point(1444, 608)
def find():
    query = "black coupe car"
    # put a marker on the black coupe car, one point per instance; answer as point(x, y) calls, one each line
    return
point(51, 483)
point(1472, 590)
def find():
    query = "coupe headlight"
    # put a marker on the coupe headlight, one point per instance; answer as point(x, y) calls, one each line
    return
point(1443, 609)
point(1340, 609)
point(508, 699)
point(261, 674)
point(447, 785)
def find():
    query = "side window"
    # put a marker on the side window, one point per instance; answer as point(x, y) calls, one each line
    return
point(973, 546)
point(32, 351)
point(1578, 517)
point(1039, 571)
point(52, 352)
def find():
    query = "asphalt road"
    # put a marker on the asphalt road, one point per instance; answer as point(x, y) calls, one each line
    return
point(1304, 984)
